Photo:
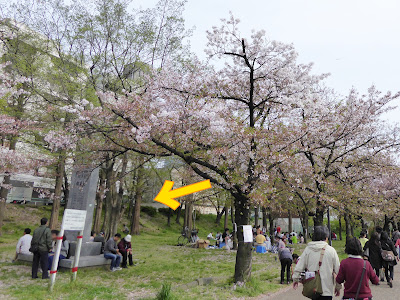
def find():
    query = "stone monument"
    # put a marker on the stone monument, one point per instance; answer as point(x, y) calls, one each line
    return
point(82, 196)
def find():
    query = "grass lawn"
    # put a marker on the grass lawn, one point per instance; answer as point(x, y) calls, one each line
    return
point(157, 261)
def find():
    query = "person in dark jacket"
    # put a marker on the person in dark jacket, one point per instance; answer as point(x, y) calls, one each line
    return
point(387, 244)
point(372, 250)
point(285, 257)
point(111, 252)
point(125, 248)
point(41, 240)
point(350, 272)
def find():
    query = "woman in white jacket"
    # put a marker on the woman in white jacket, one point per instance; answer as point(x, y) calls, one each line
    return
point(309, 261)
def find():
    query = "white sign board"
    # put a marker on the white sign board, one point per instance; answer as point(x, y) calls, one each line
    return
point(74, 219)
point(247, 234)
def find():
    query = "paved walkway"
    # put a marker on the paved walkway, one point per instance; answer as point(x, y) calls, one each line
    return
point(379, 292)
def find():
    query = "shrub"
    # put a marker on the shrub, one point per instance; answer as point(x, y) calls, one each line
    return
point(149, 210)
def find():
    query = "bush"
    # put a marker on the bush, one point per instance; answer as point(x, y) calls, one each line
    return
point(149, 210)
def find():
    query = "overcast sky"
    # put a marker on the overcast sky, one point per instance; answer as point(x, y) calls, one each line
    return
point(357, 41)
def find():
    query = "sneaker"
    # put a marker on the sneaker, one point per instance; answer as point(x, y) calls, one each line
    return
point(113, 269)
point(390, 284)
point(124, 267)
point(118, 268)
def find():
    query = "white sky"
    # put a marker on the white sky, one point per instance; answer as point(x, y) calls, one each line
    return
point(357, 41)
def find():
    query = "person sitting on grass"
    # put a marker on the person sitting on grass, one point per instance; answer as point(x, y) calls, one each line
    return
point(24, 243)
point(125, 248)
point(210, 236)
point(261, 241)
point(351, 270)
point(111, 252)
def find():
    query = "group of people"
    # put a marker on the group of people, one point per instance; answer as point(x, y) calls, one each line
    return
point(42, 244)
point(381, 252)
point(365, 260)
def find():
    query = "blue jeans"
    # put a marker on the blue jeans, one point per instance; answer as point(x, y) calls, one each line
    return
point(115, 259)
point(50, 259)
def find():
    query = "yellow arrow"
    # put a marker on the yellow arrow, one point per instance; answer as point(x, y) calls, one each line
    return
point(166, 195)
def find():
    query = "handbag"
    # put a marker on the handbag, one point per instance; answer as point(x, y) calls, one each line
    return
point(35, 246)
point(387, 255)
point(313, 286)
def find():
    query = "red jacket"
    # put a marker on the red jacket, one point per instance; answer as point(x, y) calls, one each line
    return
point(124, 245)
point(350, 273)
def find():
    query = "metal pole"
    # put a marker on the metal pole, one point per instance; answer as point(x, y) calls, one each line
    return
point(54, 266)
point(77, 255)
point(329, 227)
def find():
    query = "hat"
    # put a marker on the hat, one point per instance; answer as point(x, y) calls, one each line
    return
point(128, 238)
point(101, 233)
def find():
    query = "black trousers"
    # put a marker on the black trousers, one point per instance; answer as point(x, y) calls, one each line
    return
point(125, 257)
point(285, 264)
point(41, 257)
point(388, 271)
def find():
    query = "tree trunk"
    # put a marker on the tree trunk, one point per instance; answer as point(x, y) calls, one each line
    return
point(340, 227)
point(66, 189)
point(99, 202)
point(226, 218)
point(348, 225)
point(2, 213)
point(386, 224)
point(235, 240)
point(319, 216)
point(244, 252)
point(135, 221)
point(256, 216)
point(305, 227)
point(169, 217)
point(4, 190)
point(219, 216)
point(190, 213)
point(178, 215)
point(271, 224)
point(55, 211)
point(290, 221)
point(264, 217)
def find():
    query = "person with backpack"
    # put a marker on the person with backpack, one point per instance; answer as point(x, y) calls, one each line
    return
point(356, 272)
point(40, 247)
point(389, 255)
point(316, 267)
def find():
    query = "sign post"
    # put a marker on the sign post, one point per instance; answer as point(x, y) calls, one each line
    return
point(73, 220)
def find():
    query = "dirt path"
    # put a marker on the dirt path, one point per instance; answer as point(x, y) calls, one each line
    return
point(380, 292)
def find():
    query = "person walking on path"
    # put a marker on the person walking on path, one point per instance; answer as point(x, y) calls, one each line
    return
point(356, 272)
point(40, 247)
point(310, 258)
point(286, 259)
point(363, 239)
point(372, 250)
point(388, 265)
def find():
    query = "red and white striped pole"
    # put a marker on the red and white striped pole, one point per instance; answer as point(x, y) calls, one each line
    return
point(77, 255)
point(54, 266)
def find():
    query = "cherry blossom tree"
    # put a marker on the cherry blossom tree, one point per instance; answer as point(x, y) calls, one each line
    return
point(229, 124)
